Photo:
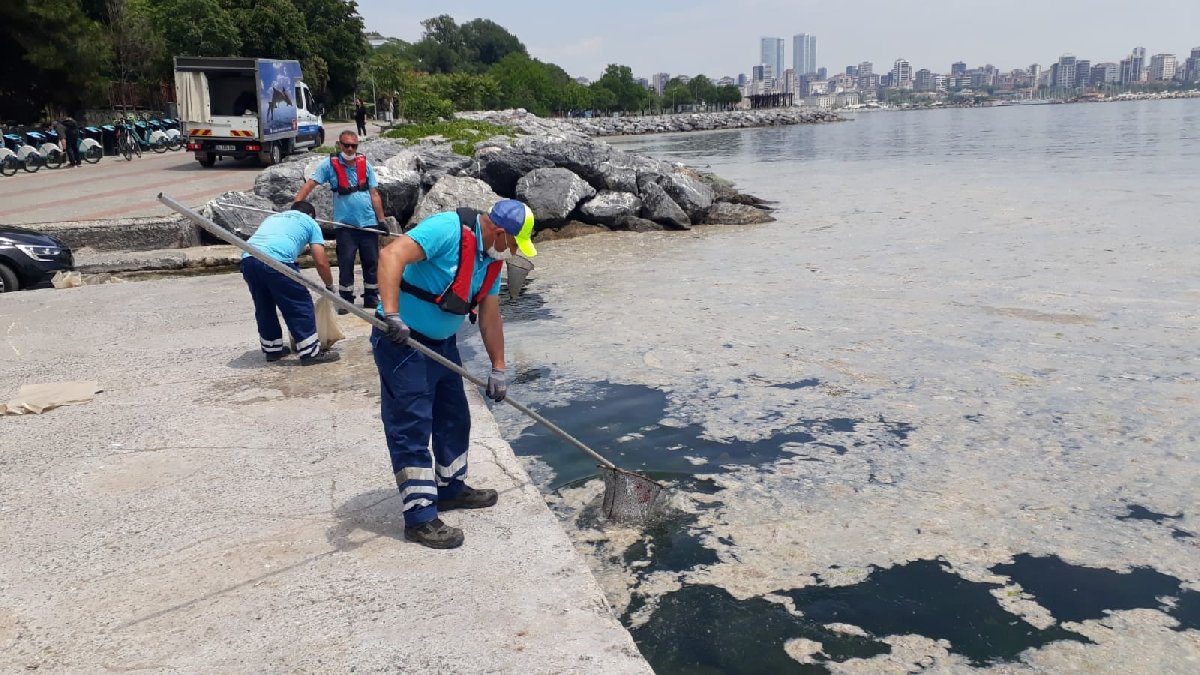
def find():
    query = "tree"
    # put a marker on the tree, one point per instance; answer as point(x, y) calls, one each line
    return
point(486, 43)
point(196, 28)
point(676, 94)
point(525, 83)
point(335, 32)
point(138, 51)
point(627, 94)
point(465, 91)
point(271, 29)
point(441, 49)
point(53, 54)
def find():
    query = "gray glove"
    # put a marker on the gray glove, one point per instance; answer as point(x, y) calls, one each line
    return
point(497, 386)
point(396, 330)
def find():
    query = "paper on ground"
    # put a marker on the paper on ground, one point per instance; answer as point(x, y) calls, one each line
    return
point(38, 398)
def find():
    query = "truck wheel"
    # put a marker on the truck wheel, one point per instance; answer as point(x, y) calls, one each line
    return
point(271, 156)
point(207, 161)
point(8, 279)
point(320, 138)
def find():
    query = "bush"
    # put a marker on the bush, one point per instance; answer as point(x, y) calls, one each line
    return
point(461, 134)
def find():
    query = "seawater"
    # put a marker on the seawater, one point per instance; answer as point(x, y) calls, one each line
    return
point(942, 413)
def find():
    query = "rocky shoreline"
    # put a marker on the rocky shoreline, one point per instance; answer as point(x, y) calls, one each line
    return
point(573, 183)
point(655, 124)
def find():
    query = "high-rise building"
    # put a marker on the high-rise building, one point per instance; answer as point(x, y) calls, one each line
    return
point(852, 71)
point(1083, 73)
point(1064, 75)
point(1191, 67)
point(1105, 74)
point(1162, 67)
point(759, 73)
point(741, 79)
point(866, 76)
point(923, 80)
point(660, 80)
point(1132, 66)
point(822, 73)
point(902, 74)
point(771, 55)
point(959, 68)
point(804, 53)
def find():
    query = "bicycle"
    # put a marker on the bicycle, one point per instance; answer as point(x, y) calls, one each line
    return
point(26, 155)
point(127, 143)
point(9, 164)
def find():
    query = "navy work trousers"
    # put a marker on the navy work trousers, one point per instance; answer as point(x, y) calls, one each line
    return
point(270, 291)
point(351, 241)
point(422, 400)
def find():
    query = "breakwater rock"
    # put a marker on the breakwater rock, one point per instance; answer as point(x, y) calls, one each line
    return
point(655, 124)
point(568, 178)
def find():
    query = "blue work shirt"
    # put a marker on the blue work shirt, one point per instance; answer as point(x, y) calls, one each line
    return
point(439, 236)
point(355, 208)
point(283, 236)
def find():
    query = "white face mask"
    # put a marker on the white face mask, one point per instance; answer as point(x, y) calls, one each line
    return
point(348, 158)
point(499, 255)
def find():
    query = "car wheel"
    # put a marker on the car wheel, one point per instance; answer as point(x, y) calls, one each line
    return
point(207, 161)
point(8, 280)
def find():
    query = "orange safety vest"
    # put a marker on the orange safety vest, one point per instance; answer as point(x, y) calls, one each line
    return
point(343, 180)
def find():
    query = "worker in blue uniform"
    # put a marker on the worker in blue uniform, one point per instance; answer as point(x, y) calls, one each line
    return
point(284, 237)
point(356, 205)
point(440, 272)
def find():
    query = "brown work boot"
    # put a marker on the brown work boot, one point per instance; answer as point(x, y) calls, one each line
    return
point(435, 534)
point(469, 498)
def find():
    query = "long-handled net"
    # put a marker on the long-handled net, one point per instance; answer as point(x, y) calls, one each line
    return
point(628, 497)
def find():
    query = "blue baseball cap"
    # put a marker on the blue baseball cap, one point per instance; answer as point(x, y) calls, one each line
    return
point(515, 218)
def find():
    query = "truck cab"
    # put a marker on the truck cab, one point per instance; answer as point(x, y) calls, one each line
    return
point(239, 108)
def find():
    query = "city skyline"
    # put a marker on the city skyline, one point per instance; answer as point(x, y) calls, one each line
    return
point(664, 37)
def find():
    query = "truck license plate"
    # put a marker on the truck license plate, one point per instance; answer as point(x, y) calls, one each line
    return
point(224, 147)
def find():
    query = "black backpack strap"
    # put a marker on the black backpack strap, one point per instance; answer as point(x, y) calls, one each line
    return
point(468, 216)
point(418, 292)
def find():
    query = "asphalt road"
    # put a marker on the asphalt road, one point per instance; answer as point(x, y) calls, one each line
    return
point(115, 188)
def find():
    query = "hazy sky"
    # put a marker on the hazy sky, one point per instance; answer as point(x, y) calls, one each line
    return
point(722, 38)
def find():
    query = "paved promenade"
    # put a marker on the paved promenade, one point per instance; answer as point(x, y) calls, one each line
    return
point(209, 512)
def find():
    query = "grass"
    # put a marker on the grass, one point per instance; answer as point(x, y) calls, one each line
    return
point(324, 150)
point(461, 134)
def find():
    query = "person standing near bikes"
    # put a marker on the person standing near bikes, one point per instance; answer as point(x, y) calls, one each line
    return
point(356, 205)
point(360, 117)
point(69, 138)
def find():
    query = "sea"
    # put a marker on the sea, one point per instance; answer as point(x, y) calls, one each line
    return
point(942, 414)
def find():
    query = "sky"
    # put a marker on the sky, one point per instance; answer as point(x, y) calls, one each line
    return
point(722, 38)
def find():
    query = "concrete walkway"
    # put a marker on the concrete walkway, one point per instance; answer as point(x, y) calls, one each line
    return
point(209, 512)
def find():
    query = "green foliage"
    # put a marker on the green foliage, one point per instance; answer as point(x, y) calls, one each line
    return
point(461, 134)
point(52, 53)
point(441, 49)
point(486, 43)
point(196, 28)
point(335, 32)
point(617, 90)
point(466, 92)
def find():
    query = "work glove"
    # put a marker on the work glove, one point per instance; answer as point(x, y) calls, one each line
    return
point(396, 330)
point(497, 386)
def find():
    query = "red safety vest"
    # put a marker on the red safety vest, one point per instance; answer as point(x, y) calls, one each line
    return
point(456, 298)
point(343, 180)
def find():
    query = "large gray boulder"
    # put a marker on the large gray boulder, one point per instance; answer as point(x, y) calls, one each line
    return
point(581, 157)
point(437, 161)
point(453, 192)
point(571, 230)
point(225, 212)
point(659, 207)
point(502, 169)
point(617, 177)
point(607, 206)
point(724, 213)
point(399, 191)
point(406, 159)
point(552, 194)
point(689, 192)
point(379, 150)
point(281, 182)
point(635, 224)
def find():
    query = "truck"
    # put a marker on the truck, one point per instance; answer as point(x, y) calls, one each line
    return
point(245, 107)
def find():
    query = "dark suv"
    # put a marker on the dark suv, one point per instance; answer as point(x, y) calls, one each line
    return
point(29, 259)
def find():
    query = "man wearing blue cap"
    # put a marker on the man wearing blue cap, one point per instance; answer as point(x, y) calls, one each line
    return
point(430, 279)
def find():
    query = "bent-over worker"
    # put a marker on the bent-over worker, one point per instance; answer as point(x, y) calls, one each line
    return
point(284, 236)
point(440, 272)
